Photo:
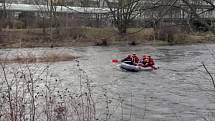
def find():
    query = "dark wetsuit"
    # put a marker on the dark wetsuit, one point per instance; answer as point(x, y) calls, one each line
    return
point(127, 60)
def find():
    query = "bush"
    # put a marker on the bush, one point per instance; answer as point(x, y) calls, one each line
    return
point(30, 92)
point(171, 34)
point(19, 25)
point(74, 33)
point(34, 92)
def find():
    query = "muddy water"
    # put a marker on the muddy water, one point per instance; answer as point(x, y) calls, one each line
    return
point(180, 90)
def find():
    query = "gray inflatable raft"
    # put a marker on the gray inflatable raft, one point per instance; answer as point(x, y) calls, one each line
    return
point(134, 68)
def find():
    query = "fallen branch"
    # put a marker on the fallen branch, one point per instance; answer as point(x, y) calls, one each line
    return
point(212, 79)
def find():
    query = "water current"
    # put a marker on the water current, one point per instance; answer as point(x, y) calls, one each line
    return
point(180, 90)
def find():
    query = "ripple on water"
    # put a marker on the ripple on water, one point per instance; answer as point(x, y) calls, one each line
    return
point(179, 90)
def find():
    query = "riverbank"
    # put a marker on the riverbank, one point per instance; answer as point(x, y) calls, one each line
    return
point(85, 36)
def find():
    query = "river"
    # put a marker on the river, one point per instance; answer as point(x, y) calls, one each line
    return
point(180, 90)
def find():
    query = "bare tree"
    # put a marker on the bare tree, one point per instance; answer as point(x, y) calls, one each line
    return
point(3, 15)
point(43, 13)
point(181, 9)
point(84, 3)
point(193, 10)
point(123, 12)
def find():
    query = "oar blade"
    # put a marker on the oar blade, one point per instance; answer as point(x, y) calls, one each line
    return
point(115, 61)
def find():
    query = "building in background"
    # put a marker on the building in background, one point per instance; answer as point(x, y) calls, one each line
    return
point(96, 12)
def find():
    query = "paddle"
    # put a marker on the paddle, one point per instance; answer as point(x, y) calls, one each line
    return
point(115, 61)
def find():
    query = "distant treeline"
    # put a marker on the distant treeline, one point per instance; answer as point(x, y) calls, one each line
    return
point(194, 15)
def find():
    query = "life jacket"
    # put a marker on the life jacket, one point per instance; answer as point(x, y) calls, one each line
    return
point(135, 59)
point(151, 62)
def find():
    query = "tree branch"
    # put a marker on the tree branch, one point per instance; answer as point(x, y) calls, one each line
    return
point(212, 79)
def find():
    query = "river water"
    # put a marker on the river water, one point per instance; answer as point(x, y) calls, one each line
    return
point(180, 90)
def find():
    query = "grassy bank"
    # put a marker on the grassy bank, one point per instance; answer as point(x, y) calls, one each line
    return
point(85, 36)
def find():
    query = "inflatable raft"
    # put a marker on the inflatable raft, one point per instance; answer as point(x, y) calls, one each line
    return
point(134, 68)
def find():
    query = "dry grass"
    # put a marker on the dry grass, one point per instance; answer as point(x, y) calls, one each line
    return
point(200, 38)
point(85, 36)
point(32, 58)
point(145, 34)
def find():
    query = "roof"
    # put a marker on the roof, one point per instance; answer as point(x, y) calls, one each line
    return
point(63, 9)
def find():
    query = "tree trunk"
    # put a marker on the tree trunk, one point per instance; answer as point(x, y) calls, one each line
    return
point(3, 16)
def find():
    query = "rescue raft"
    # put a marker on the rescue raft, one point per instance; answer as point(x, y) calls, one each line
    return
point(134, 68)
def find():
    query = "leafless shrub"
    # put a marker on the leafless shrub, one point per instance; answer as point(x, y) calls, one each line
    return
point(171, 34)
point(149, 34)
point(75, 33)
point(30, 91)
point(101, 42)
point(167, 33)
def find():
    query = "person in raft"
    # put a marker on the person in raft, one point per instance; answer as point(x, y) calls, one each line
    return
point(131, 59)
point(147, 61)
point(127, 60)
point(135, 59)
